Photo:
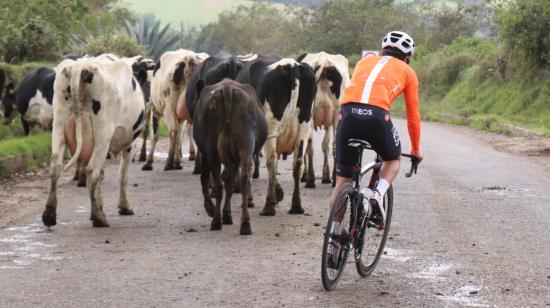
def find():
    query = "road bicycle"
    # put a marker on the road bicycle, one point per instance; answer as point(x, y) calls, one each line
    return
point(362, 230)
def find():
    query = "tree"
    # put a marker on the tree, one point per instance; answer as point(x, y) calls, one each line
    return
point(524, 29)
point(147, 31)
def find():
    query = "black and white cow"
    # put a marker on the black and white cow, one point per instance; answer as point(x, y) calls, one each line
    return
point(286, 90)
point(33, 100)
point(143, 71)
point(210, 71)
point(97, 107)
point(332, 77)
point(169, 81)
point(229, 128)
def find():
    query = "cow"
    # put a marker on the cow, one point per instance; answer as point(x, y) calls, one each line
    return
point(332, 77)
point(33, 100)
point(212, 70)
point(169, 81)
point(286, 89)
point(7, 96)
point(229, 128)
point(143, 70)
point(97, 109)
point(3, 78)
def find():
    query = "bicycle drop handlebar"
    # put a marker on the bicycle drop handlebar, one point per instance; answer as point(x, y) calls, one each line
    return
point(414, 164)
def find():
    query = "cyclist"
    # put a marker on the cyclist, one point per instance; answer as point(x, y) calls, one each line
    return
point(364, 114)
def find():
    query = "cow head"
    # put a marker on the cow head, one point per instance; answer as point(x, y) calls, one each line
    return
point(8, 104)
point(142, 77)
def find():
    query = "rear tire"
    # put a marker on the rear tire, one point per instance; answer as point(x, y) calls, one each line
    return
point(341, 210)
point(367, 259)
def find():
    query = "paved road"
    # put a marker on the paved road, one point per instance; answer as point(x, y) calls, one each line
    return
point(471, 229)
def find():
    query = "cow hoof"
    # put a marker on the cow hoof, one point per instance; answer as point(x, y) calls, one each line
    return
point(147, 167)
point(142, 158)
point(178, 167)
point(294, 211)
point(303, 179)
point(245, 228)
point(192, 156)
point(333, 184)
point(210, 209)
point(310, 184)
point(250, 204)
point(215, 226)
point(125, 211)
point(168, 167)
point(326, 181)
point(279, 193)
point(268, 212)
point(227, 219)
point(81, 183)
point(100, 223)
point(256, 175)
point(197, 171)
point(49, 218)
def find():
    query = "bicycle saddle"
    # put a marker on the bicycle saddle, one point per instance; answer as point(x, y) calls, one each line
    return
point(357, 143)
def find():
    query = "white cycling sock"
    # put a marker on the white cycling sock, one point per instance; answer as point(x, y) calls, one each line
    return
point(382, 186)
point(336, 227)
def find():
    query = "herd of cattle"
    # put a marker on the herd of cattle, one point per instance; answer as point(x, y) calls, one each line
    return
point(232, 107)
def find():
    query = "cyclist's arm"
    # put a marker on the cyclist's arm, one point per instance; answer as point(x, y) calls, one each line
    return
point(413, 113)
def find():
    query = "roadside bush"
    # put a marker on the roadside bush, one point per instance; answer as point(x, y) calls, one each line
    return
point(119, 43)
point(34, 40)
point(524, 28)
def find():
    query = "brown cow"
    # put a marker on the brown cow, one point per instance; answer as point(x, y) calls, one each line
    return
point(229, 128)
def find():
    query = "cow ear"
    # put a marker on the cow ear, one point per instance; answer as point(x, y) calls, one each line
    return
point(86, 76)
point(177, 78)
point(199, 85)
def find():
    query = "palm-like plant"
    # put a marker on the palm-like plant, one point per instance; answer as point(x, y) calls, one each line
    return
point(146, 29)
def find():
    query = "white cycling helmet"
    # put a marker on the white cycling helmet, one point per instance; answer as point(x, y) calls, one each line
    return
point(399, 40)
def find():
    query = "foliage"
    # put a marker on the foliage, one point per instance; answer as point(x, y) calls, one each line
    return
point(118, 43)
point(524, 25)
point(40, 29)
point(147, 31)
point(273, 31)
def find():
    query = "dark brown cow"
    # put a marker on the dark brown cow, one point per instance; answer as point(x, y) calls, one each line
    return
point(229, 128)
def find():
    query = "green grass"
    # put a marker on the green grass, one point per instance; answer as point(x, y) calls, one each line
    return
point(35, 151)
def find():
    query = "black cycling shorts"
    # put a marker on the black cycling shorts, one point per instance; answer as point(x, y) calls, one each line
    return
point(366, 122)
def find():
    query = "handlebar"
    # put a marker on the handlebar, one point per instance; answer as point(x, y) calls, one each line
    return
point(414, 164)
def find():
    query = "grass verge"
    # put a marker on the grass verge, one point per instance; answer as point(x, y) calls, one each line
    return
point(24, 153)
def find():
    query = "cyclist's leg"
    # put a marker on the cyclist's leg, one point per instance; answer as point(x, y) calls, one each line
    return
point(345, 158)
point(391, 154)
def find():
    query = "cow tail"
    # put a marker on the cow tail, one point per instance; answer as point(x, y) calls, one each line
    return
point(72, 161)
point(228, 105)
point(83, 117)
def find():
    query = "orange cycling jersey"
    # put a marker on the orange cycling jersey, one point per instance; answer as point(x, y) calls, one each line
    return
point(379, 81)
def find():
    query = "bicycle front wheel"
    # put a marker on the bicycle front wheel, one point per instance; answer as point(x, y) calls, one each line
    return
point(338, 239)
point(373, 240)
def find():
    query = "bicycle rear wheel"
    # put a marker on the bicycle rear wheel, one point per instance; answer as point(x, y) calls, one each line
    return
point(337, 245)
point(372, 240)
